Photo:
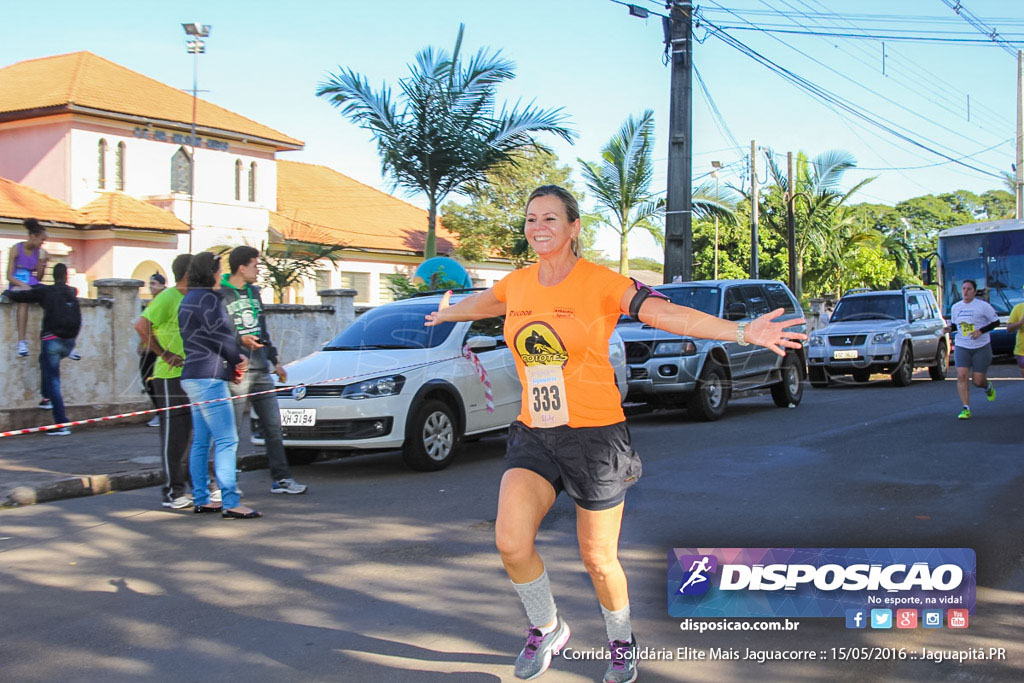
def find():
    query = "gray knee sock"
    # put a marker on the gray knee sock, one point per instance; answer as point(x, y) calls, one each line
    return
point(537, 599)
point(617, 625)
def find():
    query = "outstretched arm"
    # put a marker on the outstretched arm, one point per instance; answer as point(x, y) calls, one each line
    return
point(690, 322)
point(475, 307)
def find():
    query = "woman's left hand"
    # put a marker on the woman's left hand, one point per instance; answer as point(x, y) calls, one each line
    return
point(763, 331)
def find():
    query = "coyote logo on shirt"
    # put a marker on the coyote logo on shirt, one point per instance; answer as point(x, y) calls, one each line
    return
point(538, 344)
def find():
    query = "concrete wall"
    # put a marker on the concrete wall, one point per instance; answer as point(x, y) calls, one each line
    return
point(105, 381)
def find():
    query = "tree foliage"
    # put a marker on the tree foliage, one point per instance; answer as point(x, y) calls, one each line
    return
point(291, 263)
point(445, 130)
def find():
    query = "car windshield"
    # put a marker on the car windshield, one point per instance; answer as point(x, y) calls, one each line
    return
point(392, 327)
point(880, 307)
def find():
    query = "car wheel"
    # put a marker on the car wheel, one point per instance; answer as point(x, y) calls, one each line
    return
point(818, 376)
point(903, 375)
point(709, 400)
point(861, 376)
point(300, 456)
point(938, 371)
point(789, 390)
point(430, 437)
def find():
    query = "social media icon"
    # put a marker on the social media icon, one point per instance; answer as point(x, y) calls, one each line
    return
point(931, 618)
point(957, 618)
point(856, 618)
point(881, 618)
point(906, 618)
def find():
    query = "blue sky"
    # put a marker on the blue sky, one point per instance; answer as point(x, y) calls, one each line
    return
point(265, 59)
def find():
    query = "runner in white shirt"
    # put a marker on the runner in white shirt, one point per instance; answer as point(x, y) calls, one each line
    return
point(973, 319)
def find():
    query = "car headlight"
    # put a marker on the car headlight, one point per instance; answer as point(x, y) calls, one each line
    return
point(675, 348)
point(374, 388)
point(883, 338)
point(817, 340)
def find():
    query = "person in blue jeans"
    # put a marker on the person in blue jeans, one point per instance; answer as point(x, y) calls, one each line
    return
point(62, 321)
point(213, 358)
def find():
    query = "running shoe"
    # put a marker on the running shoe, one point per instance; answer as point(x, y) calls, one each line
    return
point(990, 392)
point(287, 486)
point(45, 404)
point(63, 431)
point(965, 414)
point(155, 422)
point(22, 348)
point(622, 668)
point(179, 503)
point(74, 356)
point(539, 649)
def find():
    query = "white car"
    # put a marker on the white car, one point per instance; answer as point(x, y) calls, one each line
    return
point(388, 382)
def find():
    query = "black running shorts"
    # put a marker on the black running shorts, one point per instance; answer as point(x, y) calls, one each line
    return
point(594, 465)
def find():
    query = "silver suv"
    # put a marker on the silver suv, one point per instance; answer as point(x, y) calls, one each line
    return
point(888, 332)
point(702, 374)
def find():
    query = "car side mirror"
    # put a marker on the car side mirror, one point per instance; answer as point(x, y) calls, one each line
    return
point(736, 311)
point(482, 343)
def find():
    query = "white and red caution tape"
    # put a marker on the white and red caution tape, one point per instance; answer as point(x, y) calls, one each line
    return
point(107, 418)
point(481, 372)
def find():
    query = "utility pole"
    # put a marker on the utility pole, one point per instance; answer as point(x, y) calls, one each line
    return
point(1019, 175)
point(754, 209)
point(791, 225)
point(678, 217)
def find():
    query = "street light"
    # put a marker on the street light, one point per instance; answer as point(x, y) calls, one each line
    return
point(196, 46)
point(715, 167)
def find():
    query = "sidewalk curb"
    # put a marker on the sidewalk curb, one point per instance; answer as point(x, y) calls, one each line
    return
point(95, 484)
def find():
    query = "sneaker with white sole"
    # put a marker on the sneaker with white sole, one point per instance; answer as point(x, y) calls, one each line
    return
point(155, 422)
point(287, 486)
point(22, 348)
point(74, 356)
point(622, 668)
point(63, 431)
point(536, 655)
point(179, 503)
point(45, 404)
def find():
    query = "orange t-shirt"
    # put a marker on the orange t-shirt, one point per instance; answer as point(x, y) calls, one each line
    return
point(570, 322)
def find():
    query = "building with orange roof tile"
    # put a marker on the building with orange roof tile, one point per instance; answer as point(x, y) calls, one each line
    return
point(103, 156)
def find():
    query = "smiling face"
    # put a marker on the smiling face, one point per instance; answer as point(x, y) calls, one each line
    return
point(548, 228)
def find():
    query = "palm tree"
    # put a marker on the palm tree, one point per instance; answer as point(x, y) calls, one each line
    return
point(449, 131)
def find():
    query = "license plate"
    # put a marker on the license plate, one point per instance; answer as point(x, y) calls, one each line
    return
point(850, 353)
point(298, 417)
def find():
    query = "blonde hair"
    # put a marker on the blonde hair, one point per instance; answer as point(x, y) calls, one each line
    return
point(572, 208)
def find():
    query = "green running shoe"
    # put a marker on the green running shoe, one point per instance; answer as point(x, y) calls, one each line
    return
point(990, 392)
point(965, 414)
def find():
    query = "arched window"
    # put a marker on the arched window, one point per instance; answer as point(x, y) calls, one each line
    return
point(119, 168)
point(238, 180)
point(101, 165)
point(181, 171)
point(252, 182)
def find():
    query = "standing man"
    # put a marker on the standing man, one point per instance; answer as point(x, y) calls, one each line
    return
point(1014, 324)
point(147, 359)
point(62, 320)
point(25, 267)
point(973, 319)
point(158, 328)
point(242, 299)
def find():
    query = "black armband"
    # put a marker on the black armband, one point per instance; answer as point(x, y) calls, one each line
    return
point(642, 292)
point(988, 328)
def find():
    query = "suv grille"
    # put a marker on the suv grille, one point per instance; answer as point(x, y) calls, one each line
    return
point(314, 391)
point(847, 339)
point(637, 352)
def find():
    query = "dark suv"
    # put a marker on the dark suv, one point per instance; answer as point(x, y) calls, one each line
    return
point(702, 374)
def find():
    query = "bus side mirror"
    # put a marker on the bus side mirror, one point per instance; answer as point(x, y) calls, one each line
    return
point(926, 271)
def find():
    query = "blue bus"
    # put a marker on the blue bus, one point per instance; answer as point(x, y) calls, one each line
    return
point(992, 254)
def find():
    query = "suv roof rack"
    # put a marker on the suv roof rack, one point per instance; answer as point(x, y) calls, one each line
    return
point(857, 290)
point(457, 290)
point(906, 287)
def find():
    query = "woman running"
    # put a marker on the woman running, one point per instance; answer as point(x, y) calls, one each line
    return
point(571, 434)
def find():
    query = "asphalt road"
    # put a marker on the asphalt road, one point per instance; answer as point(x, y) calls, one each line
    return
point(382, 574)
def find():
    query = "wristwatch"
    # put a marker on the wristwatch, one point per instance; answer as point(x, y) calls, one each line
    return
point(740, 338)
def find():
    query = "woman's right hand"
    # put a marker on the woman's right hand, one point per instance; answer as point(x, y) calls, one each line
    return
point(434, 317)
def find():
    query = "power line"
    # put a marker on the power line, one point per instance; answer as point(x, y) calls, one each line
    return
point(866, 36)
point(970, 18)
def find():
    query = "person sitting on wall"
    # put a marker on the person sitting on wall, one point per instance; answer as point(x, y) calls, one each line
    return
point(26, 265)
